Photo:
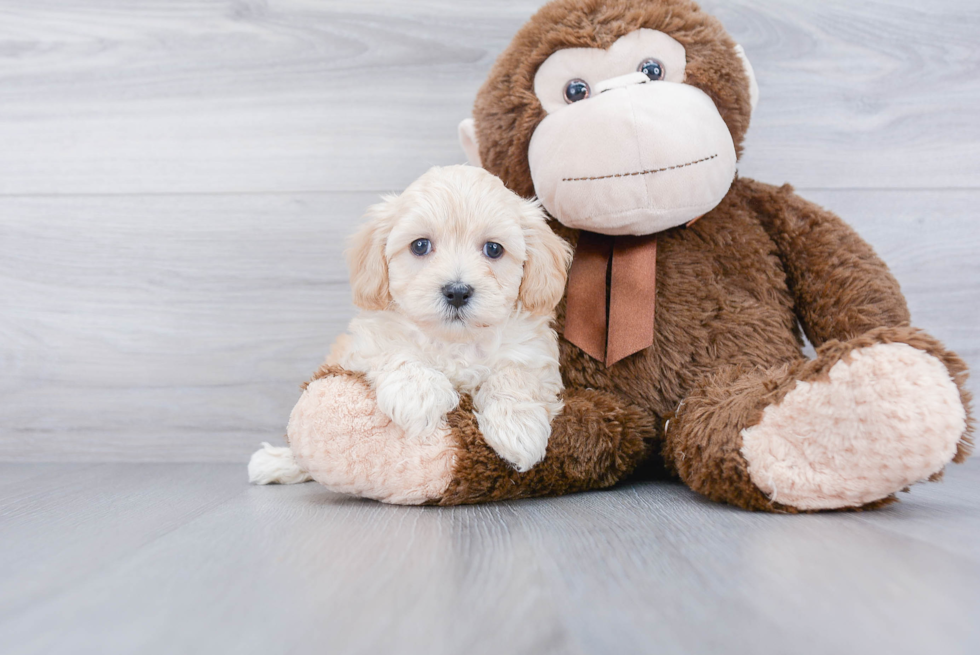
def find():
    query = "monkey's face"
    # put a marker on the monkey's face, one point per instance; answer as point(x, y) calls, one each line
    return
point(626, 146)
point(623, 117)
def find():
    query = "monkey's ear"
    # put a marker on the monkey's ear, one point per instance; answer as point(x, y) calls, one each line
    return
point(546, 265)
point(753, 84)
point(467, 139)
point(366, 257)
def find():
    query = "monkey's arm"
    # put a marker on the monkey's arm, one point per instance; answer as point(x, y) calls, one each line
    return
point(338, 434)
point(840, 286)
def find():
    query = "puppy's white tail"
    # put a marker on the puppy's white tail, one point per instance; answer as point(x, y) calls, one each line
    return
point(272, 465)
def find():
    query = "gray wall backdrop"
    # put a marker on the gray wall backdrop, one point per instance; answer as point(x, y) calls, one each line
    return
point(177, 179)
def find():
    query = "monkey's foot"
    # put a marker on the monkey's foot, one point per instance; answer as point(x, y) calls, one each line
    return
point(879, 419)
point(338, 435)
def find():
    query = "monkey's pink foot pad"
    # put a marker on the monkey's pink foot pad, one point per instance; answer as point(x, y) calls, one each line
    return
point(884, 418)
point(339, 436)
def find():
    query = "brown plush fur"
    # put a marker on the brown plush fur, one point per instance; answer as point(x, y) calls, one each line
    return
point(594, 443)
point(703, 441)
point(730, 296)
point(732, 292)
point(852, 291)
point(326, 370)
point(732, 289)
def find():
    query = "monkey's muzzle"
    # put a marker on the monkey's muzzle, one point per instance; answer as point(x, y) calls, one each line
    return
point(635, 159)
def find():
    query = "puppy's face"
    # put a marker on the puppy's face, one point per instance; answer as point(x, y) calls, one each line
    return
point(456, 259)
point(456, 251)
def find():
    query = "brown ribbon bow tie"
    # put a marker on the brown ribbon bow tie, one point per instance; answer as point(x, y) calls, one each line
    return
point(612, 328)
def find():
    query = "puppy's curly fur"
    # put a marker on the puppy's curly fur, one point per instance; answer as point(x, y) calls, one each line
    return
point(418, 350)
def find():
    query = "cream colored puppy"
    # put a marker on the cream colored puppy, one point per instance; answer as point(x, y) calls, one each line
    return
point(458, 279)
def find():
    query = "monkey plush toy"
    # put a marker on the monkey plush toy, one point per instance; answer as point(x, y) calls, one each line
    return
point(681, 326)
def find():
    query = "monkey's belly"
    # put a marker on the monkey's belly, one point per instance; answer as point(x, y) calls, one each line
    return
point(722, 300)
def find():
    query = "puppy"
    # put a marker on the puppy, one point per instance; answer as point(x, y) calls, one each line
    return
point(457, 279)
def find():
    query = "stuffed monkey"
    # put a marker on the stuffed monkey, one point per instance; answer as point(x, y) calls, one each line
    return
point(681, 326)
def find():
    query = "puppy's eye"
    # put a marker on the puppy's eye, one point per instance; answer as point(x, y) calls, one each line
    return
point(652, 68)
point(577, 90)
point(493, 250)
point(421, 247)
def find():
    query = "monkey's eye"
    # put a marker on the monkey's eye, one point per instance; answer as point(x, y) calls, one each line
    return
point(652, 68)
point(493, 250)
point(421, 247)
point(577, 90)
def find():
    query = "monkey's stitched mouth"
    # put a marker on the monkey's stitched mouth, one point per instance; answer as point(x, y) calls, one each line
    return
point(650, 171)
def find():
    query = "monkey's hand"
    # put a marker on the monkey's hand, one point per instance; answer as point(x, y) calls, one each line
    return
point(415, 398)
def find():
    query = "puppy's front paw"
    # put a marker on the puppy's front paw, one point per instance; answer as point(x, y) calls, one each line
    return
point(416, 400)
point(519, 432)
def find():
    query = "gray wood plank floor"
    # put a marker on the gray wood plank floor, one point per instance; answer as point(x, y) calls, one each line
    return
point(187, 558)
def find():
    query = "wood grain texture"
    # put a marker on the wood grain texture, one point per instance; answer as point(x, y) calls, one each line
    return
point(105, 96)
point(157, 305)
point(178, 328)
point(188, 558)
point(132, 323)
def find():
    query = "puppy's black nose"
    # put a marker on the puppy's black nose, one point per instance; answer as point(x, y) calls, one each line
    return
point(457, 294)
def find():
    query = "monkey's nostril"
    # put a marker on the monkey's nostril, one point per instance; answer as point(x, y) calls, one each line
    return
point(457, 294)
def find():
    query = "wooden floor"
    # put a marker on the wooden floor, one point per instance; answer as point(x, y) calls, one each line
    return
point(187, 558)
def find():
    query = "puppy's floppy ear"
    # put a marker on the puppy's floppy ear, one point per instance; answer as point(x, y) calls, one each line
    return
point(366, 257)
point(547, 262)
